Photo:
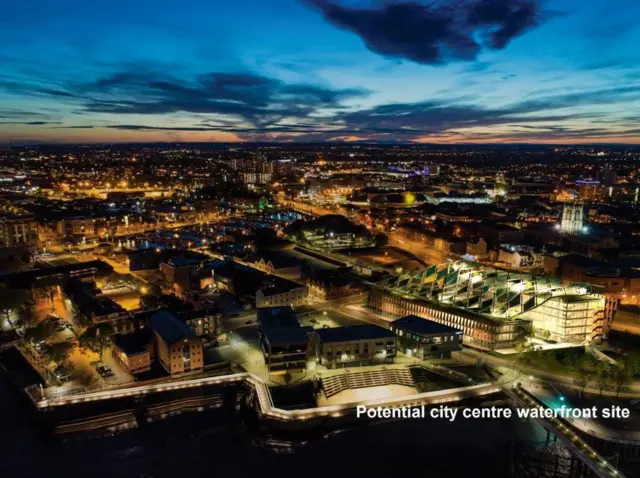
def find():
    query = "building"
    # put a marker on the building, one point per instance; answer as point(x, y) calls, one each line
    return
point(477, 248)
point(328, 284)
point(355, 345)
point(278, 263)
point(181, 271)
point(424, 338)
point(572, 221)
point(607, 175)
point(284, 342)
point(519, 256)
point(494, 307)
point(19, 231)
point(589, 190)
point(178, 349)
point(281, 292)
point(134, 351)
point(497, 233)
point(78, 228)
point(568, 318)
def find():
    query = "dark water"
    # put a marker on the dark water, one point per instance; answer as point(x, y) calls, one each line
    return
point(205, 444)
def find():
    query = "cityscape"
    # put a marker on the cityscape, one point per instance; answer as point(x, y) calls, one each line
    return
point(235, 240)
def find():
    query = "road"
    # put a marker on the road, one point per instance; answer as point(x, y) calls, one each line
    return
point(419, 249)
point(510, 363)
point(550, 396)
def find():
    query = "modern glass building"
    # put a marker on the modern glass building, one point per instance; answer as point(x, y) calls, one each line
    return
point(492, 307)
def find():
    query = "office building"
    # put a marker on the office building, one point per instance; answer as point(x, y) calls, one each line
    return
point(423, 338)
point(284, 342)
point(355, 345)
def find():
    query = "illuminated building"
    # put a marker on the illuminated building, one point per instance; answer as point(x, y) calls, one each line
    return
point(355, 345)
point(572, 221)
point(19, 231)
point(178, 349)
point(134, 351)
point(492, 307)
point(284, 342)
point(422, 338)
point(589, 190)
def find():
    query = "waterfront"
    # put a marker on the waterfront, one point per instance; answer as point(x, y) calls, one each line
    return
point(212, 442)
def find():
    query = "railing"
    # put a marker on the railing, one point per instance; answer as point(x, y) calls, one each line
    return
point(265, 402)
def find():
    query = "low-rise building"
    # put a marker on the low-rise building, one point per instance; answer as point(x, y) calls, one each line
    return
point(134, 351)
point(278, 263)
point(477, 248)
point(355, 345)
point(284, 342)
point(519, 256)
point(327, 284)
point(178, 349)
point(281, 292)
point(423, 338)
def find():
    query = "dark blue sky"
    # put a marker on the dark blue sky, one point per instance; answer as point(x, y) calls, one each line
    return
point(286, 70)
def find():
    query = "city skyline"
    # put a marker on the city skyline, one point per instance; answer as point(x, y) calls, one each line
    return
point(479, 71)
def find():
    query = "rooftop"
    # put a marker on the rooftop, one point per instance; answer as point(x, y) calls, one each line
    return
point(169, 327)
point(354, 332)
point(132, 344)
point(280, 325)
point(421, 326)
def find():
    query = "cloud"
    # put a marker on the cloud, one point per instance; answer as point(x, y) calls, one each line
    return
point(260, 108)
point(31, 123)
point(255, 99)
point(435, 32)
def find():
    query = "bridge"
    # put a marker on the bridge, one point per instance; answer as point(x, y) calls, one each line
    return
point(590, 458)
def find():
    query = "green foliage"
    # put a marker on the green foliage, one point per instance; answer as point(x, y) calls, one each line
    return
point(602, 376)
point(97, 338)
point(58, 352)
point(42, 331)
point(621, 377)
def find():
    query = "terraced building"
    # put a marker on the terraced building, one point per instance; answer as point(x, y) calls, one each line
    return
point(493, 307)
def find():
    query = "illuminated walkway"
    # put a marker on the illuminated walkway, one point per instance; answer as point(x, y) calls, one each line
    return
point(579, 448)
point(265, 402)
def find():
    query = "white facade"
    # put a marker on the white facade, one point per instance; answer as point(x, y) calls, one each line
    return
point(568, 318)
point(572, 219)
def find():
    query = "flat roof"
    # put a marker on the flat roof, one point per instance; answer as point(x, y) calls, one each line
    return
point(281, 326)
point(133, 344)
point(353, 333)
point(169, 327)
point(422, 326)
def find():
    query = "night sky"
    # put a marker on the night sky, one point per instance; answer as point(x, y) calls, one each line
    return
point(560, 71)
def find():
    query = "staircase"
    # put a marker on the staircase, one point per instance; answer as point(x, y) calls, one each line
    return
point(368, 378)
point(419, 374)
point(334, 384)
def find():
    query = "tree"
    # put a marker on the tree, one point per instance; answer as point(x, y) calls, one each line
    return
point(603, 376)
point(42, 331)
point(97, 338)
point(621, 377)
point(11, 299)
point(150, 302)
point(523, 348)
point(46, 289)
point(582, 379)
point(58, 352)
point(381, 240)
point(585, 366)
point(632, 362)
